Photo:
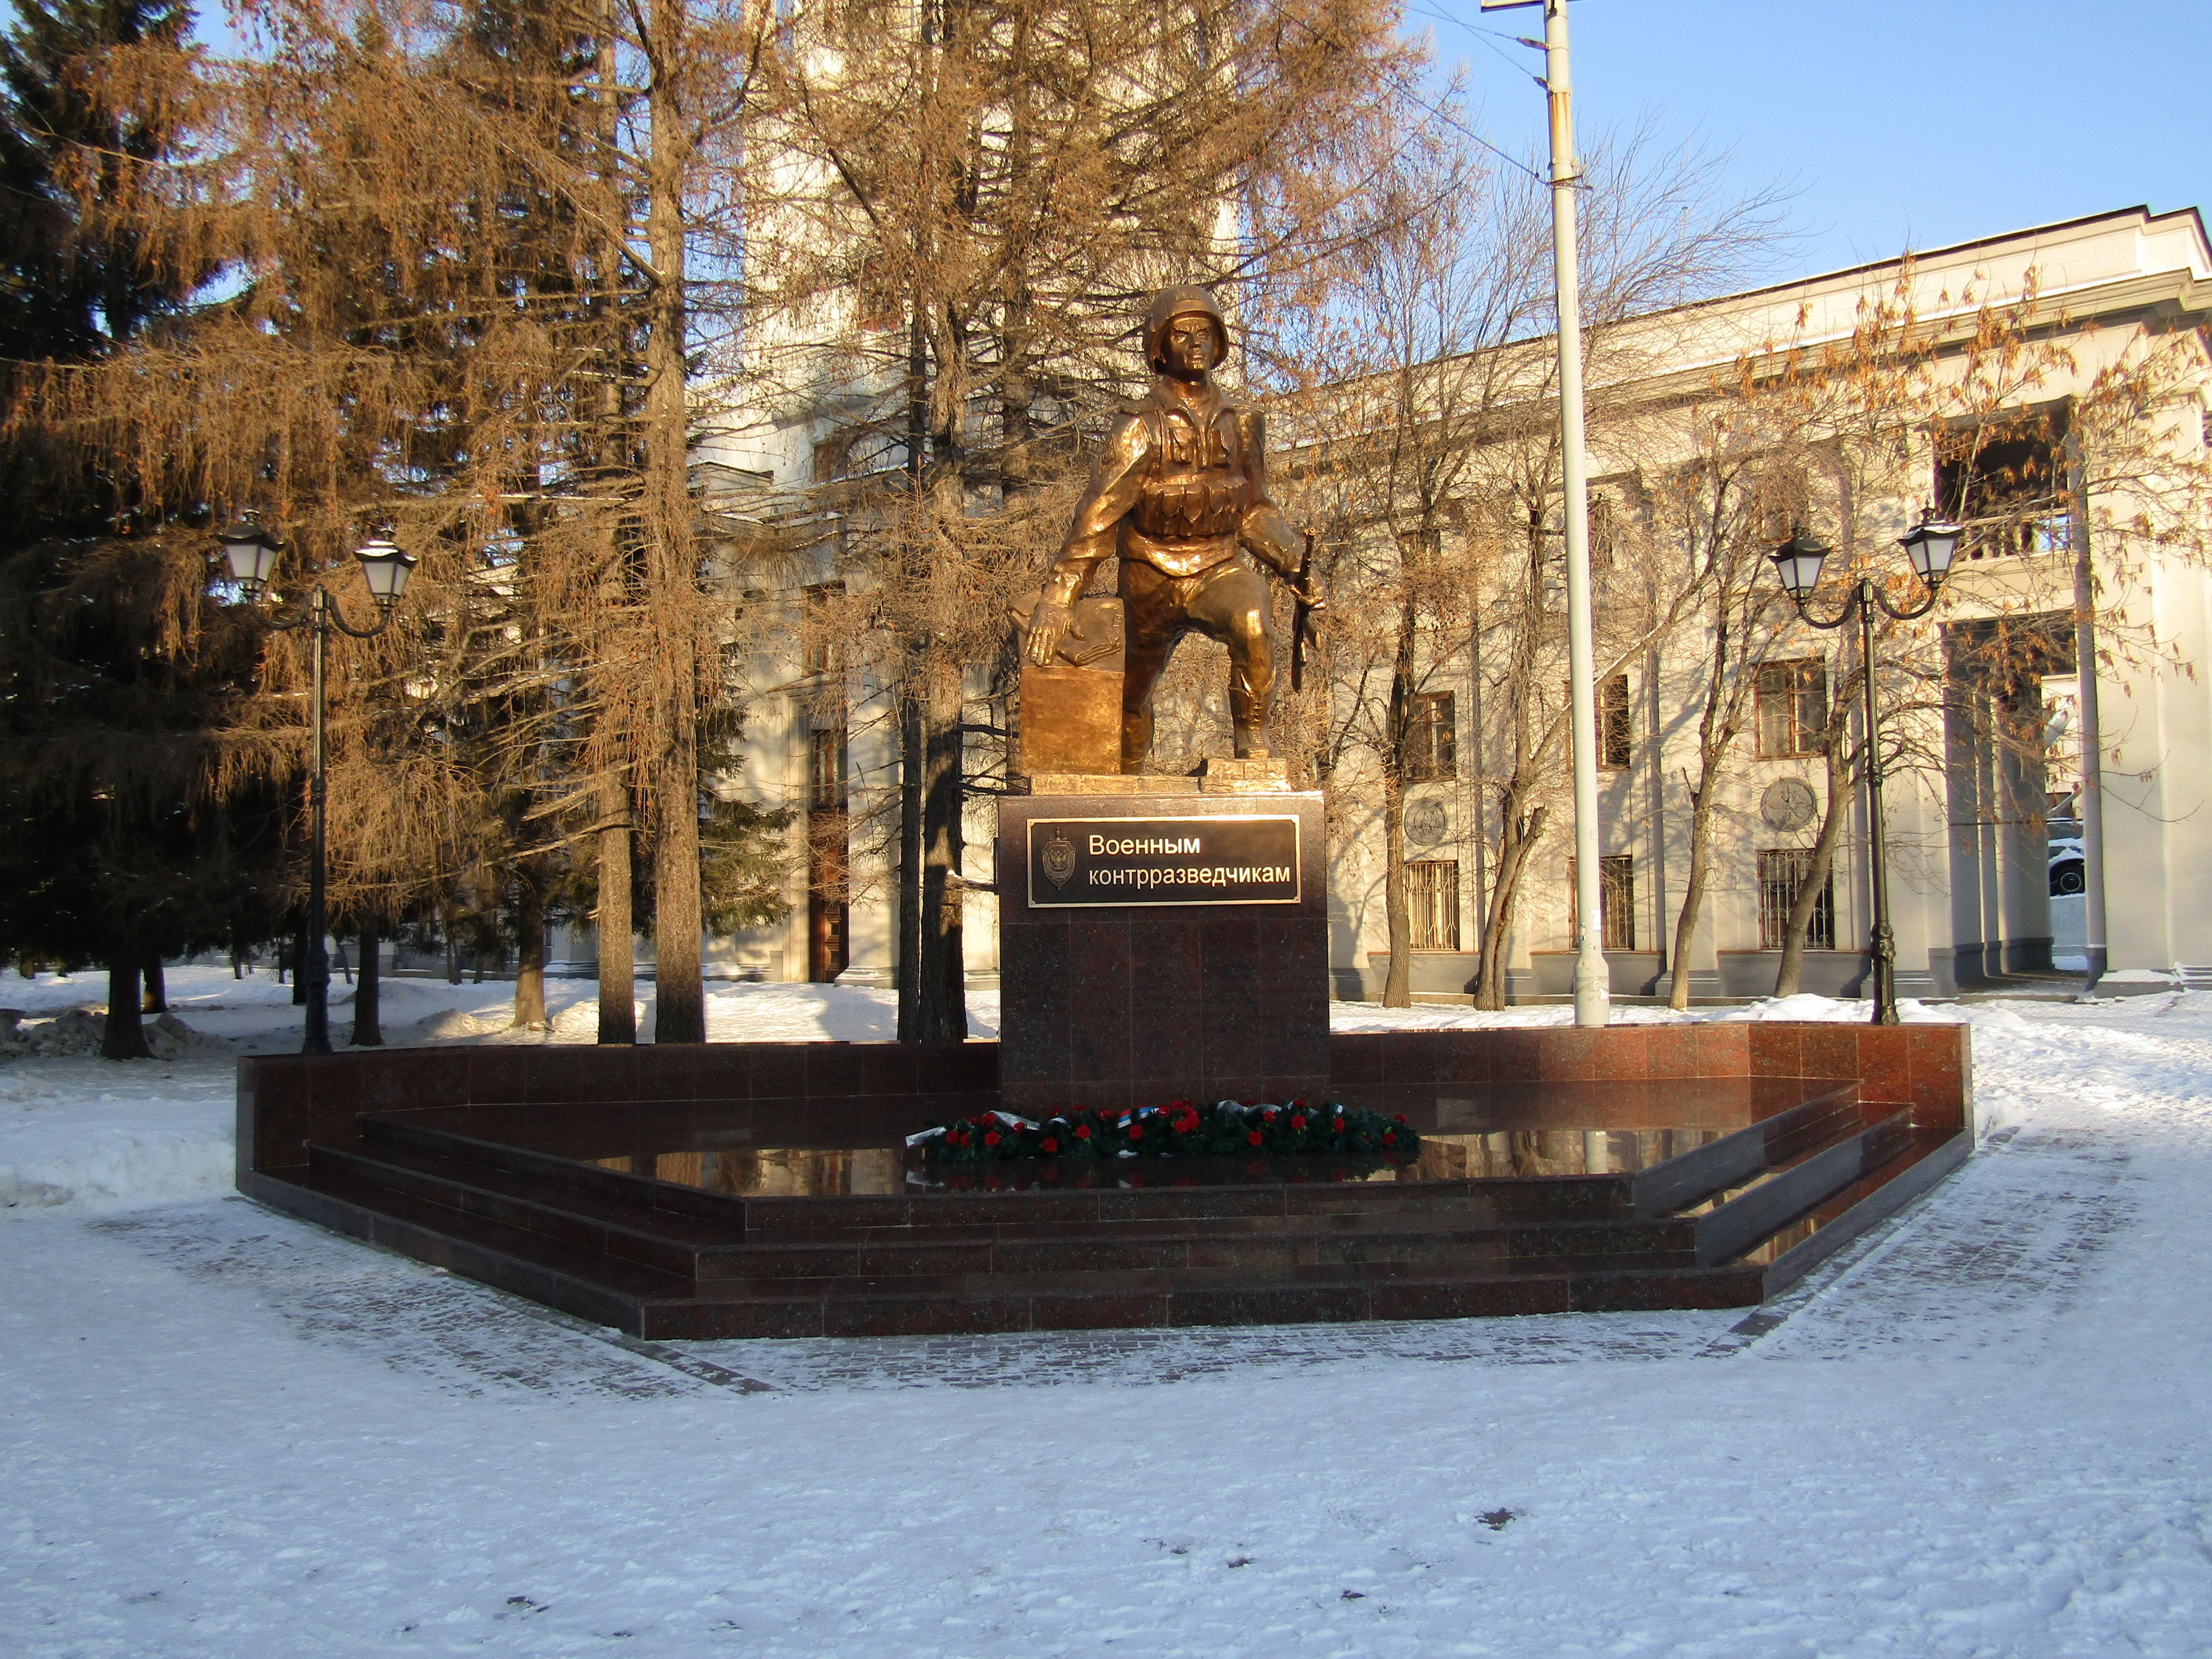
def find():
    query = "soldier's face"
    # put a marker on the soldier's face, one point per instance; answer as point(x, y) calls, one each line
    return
point(1190, 346)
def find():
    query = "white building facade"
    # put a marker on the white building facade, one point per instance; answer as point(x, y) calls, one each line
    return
point(1981, 827)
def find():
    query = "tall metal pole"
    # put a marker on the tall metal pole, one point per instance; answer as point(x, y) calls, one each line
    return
point(317, 968)
point(1882, 945)
point(2091, 803)
point(1593, 989)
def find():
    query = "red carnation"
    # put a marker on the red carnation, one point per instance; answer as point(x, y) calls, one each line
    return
point(1337, 1125)
point(1048, 1144)
point(1299, 1122)
point(990, 1138)
point(990, 1117)
point(1269, 1115)
point(1401, 1118)
point(1136, 1132)
point(1256, 1137)
point(1389, 1137)
point(1083, 1132)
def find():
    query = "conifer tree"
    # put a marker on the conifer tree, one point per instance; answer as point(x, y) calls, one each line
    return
point(120, 849)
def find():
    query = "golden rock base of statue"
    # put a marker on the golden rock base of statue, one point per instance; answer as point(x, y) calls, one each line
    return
point(1216, 777)
point(1071, 720)
point(1108, 783)
point(1245, 777)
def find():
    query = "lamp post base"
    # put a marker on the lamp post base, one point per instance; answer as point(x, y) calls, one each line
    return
point(1593, 988)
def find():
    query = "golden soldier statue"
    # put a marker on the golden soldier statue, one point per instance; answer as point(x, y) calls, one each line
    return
point(1180, 488)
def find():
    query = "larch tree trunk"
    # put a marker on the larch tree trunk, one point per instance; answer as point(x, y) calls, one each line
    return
point(617, 966)
point(913, 785)
point(1398, 980)
point(615, 920)
point(943, 1010)
point(125, 1035)
point(530, 954)
point(367, 999)
point(1398, 983)
point(679, 1000)
point(913, 838)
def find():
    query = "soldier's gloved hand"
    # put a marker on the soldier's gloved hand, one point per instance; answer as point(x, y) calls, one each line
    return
point(1048, 623)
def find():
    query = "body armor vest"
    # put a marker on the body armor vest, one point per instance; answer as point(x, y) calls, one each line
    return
point(1195, 488)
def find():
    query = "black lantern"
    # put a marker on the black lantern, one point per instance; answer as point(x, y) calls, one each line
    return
point(250, 553)
point(1930, 544)
point(386, 570)
point(1797, 561)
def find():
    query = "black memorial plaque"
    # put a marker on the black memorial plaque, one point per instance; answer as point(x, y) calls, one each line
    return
point(1180, 860)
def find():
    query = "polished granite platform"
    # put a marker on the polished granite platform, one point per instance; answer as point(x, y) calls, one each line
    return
point(753, 1190)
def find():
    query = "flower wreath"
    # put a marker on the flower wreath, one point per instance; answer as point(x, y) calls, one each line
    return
point(1226, 1129)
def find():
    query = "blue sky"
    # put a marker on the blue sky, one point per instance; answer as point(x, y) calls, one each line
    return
point(1899, 123)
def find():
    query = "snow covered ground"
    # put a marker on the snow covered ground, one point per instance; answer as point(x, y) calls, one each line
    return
point(225, 1433)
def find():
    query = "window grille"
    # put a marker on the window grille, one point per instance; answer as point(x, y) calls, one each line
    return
point(1616, 891)
point(1432, 902)
point(1783, 873)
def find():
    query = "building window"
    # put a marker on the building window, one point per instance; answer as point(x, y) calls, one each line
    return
point(881, 301)
point(2006, 480)
point(825, 771)
point(818, 627)
point(1432, 743)
point(1432, 901)
point(1791, 701)
point(1616, 892)
point(832, 457)
point(1783, 873)
point(1615, 734)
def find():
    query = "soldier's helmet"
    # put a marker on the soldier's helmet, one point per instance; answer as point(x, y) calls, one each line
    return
point(1170, 303)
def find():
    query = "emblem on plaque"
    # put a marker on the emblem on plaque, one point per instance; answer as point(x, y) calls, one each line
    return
point(1058, 858)
point(1789, 805)
point(1428, 822)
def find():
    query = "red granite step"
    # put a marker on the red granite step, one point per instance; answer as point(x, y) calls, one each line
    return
point(855, 1216)
point(646, 1303)
point(701, 1250)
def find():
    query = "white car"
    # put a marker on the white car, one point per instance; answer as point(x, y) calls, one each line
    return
point(2068, 873)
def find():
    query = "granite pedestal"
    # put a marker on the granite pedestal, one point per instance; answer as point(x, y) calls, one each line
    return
point(1126, 993)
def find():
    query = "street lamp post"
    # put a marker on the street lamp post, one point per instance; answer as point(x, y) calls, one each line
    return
point(1592, 978)
point(250, 552)
point(1797, 561)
